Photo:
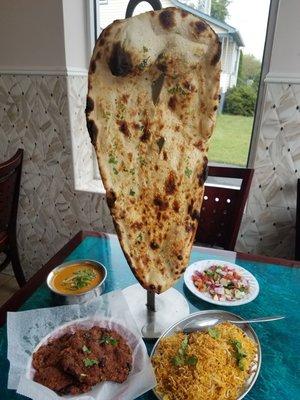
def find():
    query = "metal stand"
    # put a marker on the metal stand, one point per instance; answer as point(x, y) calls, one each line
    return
point(150, 301)
point(153, 314)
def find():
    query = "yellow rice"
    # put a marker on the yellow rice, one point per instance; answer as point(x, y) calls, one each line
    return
point(216, 376)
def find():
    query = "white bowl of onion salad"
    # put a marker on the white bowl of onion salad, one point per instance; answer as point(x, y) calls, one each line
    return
point(221, 282)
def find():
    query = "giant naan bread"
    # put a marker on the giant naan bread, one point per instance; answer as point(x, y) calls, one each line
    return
point(151, 105)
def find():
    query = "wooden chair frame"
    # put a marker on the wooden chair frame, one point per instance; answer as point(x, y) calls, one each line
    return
point(245, 174)
point(8, 244)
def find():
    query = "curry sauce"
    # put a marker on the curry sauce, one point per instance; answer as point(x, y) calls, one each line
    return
point(76, 279)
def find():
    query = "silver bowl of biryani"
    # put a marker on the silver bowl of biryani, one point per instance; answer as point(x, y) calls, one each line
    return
point(207, 356)
point(77, 281)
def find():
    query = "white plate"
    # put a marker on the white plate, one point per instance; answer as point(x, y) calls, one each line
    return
point(205, 264)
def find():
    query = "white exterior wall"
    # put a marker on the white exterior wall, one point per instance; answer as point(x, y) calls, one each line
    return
point(229, 64)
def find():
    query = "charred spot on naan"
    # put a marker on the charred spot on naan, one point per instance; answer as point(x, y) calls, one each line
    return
point(120, 61)
point(189, 86)
point(111, 198)
point(137, 225)
point(161, 63)
point(93, 131)
point(196, 215)
point(172, 103)
point(160, 203)
point(217, 56)
point(167, 18)
point(203, 175)
point(154, 245)
point(176, 206)
point(123, 127)
point(170, 183)
point(92, 67)
point(146, 133)
point(193, 213)
point(89, 106)
point(200, 26)
point(183, 13)
point(200, 145)
point(189, 226)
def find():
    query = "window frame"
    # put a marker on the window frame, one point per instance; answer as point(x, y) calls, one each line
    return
point(270, 32)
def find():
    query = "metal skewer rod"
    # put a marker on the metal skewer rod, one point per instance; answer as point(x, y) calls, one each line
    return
point(150, 301)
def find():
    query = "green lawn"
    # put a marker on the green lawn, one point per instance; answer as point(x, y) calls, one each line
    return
point(231, 139)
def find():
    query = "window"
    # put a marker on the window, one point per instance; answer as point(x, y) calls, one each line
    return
point(241, 60)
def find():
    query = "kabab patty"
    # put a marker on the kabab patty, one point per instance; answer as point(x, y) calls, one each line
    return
point(73, 363)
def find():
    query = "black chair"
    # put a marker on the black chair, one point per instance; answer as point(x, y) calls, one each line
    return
point(222, 208)
point(10, 177)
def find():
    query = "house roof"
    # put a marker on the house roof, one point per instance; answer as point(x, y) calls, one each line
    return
point(230, 30)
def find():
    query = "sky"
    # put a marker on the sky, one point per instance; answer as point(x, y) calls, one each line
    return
point(250, 18)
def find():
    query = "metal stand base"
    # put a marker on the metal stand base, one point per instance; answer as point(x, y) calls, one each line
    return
point(169, 307)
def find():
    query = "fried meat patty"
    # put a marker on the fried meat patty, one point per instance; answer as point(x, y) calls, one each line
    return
point(73, 363)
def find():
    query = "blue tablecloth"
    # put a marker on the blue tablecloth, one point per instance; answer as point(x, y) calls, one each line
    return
point(279, 294)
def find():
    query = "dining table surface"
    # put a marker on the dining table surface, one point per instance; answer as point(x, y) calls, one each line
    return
point(279, 282)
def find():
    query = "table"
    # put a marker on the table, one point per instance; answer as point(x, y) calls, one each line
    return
point(279, 282)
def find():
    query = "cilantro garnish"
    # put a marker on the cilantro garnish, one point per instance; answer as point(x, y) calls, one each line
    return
point(86, 350)
point(112, 159)
point(145, 49)
point(240, 354)
point(106, 115)
point(191, 360)
point(121, 109)
point(143, 64)
point(139, 238)
point(115, 171)
point(131, 192)
point(106, 339)
point(80, 279)
point(142, 160)
point(188, 172)
point(182, 358)
point(214, 333)
point(177, 90)
point(131, 171)
point(89, 362)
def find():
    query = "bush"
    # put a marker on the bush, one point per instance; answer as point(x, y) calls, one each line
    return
point(240, 100)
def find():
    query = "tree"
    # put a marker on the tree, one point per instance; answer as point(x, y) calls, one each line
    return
point(251, 67)
point(219, 9)
point(250, 71)
point(240, 100)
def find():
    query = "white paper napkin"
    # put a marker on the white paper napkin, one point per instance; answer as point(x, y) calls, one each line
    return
point(28, 329)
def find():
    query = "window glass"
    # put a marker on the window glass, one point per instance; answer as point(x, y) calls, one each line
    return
point(241, 26)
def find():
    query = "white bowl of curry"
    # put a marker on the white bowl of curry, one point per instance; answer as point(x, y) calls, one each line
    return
point(77, 281)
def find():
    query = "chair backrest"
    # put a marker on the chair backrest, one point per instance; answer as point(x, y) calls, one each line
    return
point(222, 208)
point(297, 242)
point(10, 176)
